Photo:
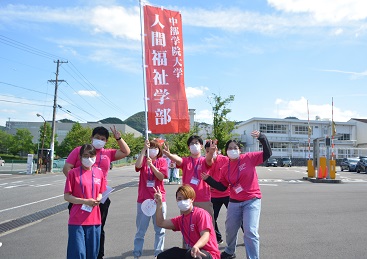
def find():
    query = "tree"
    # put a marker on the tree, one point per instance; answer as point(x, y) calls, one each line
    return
point(77, 136)
point(178, 142)
point(222, 127)
point(4, 141)
point(45, 136)
point(21, 143)
point(135, 144)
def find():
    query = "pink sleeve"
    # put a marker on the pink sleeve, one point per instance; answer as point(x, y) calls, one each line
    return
point(205, 221)
point(111, 153)
point(69, 182)
point(176, 222)
point(163, 167)
point(73, 157)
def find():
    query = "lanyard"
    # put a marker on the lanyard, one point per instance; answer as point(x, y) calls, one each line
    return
point(183, 229)
point(100, 159)
point(152, 174)
point(196, 167)
point(238, 172)
point(81, 183)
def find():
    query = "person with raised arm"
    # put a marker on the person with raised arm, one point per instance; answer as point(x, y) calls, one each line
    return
point(244, 207)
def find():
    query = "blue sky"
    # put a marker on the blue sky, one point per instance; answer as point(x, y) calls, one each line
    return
point(273, 55)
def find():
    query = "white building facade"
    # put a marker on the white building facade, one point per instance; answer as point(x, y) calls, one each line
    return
point(289, 137)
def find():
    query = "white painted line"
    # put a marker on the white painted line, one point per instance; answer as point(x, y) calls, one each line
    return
point(41, 185)
point(31, 203)
point(267, 184)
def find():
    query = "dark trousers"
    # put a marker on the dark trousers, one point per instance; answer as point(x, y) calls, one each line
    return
point(103, 208)
point(217, 205)
point(180, 253)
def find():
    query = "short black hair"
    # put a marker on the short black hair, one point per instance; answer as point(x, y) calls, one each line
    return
point(194, 137)
point(230, 141)
point(88, 147)
point(101, 131)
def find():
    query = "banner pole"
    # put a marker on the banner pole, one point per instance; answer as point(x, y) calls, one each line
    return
point(143, 66)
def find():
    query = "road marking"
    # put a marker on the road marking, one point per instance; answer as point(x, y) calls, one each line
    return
point(268, 184)
point(31, 203)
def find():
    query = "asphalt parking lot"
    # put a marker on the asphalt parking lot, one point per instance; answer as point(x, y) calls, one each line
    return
point(299, 219)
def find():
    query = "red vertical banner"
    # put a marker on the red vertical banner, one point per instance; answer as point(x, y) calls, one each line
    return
point(164, 59)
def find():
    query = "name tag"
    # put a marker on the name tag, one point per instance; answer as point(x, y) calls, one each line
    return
point(87, 208)
point(150, 184)
point(238, 188)
point(194, 181)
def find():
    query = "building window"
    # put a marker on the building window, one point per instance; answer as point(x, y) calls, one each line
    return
point(273, 128)
point(344, 137)
point(300, 130)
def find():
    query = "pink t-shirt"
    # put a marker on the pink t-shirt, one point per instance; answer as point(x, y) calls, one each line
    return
point(192, 224)
point(85, 184)
point(242, 177)
point(191, 174)
point(216, 174)
point(103, 158)
point(146, 175)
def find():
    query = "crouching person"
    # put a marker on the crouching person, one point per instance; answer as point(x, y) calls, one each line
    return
point(195, 224)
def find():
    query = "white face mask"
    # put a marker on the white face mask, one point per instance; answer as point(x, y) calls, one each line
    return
point(195, 149)
point(88, 162)
point(153, 152)
point(98, 144)
point(233, 154)
point(184, 205)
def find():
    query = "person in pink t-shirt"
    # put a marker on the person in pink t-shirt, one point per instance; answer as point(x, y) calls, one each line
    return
point(192, 167)
point(195, 225)
point(104, 157)
point(83, 189)
point(218, 198)
point(152, 169)
point(239, 174)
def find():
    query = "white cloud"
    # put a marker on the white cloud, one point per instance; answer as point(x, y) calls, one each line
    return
point(354, 75)
point(118, 21)
point(204, 116)
point(88, 93)
point(192, 92)
point(298, 109)
point(325, 10)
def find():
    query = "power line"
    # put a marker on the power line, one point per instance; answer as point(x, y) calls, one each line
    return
point(18, 45)
point(107, 101)
point(7, 101)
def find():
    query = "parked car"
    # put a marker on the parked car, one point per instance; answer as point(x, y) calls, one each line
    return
point(59, 163)
point(285, 162)
point(272, 162)
point(349, 164)
point(362, 165)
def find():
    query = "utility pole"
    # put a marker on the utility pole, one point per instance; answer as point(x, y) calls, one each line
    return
point(52, 145)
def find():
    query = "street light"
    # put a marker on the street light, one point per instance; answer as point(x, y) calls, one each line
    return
point(43, 141)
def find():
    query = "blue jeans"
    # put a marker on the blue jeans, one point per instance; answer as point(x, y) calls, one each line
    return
point(247, 213)
point(142, 223)
point(83, 241)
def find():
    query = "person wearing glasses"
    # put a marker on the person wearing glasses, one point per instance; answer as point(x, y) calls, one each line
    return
point(239, 174)
point(83, 189)
point(104, 157)
point(192, 166)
